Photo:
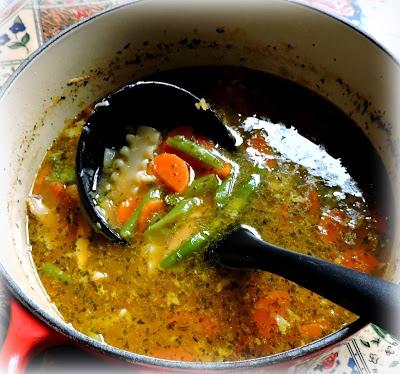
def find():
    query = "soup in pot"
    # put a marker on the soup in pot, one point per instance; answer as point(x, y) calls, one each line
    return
point(295, 178)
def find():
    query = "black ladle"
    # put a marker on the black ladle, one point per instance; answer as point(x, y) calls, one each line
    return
point(159, 105)
point(165, 106)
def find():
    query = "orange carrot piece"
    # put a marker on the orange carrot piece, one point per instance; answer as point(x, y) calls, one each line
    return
point(271, 163)
point(172, 171)
point(259, 143)
point(56, 194)
point(41, 177)
point(360, 259)
point(264, 322)
point(225, 171)
point(332, 226)
point(57, 190)
point(278, 301)
point(313, 330)
point(242, 343)
point(267, 308)
point(314, 206)
point(150, 208)
point(283, 214)
point(209, 326)
point(125, 209)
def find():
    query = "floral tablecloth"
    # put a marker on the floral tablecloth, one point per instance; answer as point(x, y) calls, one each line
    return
point(26, 24)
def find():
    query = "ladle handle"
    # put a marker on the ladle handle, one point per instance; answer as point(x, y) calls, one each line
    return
point(371, 298)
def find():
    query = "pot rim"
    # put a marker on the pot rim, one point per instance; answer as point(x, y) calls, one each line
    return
point(131, 357)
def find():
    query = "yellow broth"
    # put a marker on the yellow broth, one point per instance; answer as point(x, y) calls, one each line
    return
point(197, 311)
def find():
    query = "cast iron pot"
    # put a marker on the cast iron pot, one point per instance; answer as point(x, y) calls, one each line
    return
point(133, 40)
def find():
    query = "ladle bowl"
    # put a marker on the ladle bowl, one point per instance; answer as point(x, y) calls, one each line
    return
point(159, 105)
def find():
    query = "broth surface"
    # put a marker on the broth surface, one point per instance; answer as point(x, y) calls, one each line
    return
point(308, 201)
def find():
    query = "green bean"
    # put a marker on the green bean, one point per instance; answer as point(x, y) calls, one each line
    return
point(198, 187)
point(231, 210)
point(181, 209)
point(155, 218)
point(61, 172)
point(202, 186)
point(53, 271)
point(173, 199)
point(194, 244)
point(65, 175)
point(240, 199)
point(196, 151)
point(130, 225)
point(225, 189)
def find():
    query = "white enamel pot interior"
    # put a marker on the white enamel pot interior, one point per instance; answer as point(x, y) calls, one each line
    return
point(133, 40)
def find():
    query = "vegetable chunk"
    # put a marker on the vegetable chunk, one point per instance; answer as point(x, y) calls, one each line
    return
point(200, 153)
point(172, 171)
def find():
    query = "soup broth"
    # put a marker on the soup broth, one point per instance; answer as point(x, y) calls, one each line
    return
point(312, 192)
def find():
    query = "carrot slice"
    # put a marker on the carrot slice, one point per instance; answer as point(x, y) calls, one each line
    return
point(57, 190)
point(314, 206)
point(209, 326)
point(125, 209)
point(267, 308)
point(271, 163)
point(225, 171)
point(313, 330)
point(172, 171)
point(150, 208)
point(332, 226)
point(284, 214)
point(259, 143)
point(277, 301)
point(360, 259)
point(41, 178)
